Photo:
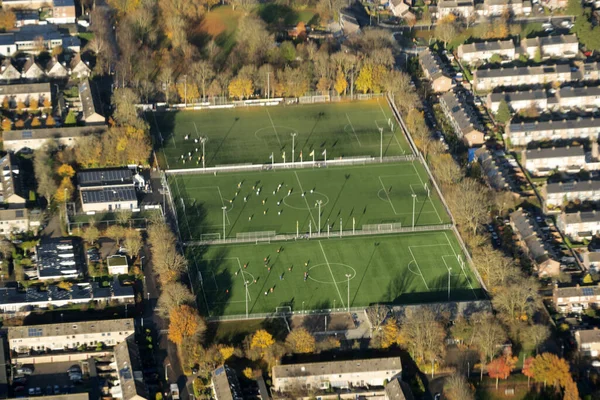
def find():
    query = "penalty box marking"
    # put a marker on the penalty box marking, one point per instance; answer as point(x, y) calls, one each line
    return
point(220, 196)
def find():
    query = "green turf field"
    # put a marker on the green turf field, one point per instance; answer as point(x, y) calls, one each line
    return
point(359, 195)
point(252, 134)
point(396, 269)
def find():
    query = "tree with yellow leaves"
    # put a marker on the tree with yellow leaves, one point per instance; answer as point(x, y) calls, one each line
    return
point(34, 104)
point(240, 88)
point(50, 122)
point(6, 103)
point(248, 373)
point(184, 322)
point(261, 340)
point(341, 84)
point(65, 191)
point(64, 285)
point(6, 124)
point(364, 82)
point(390, 333)
point(20, 105)
point(226, 352)
point(47, 103)
point(65, 171)
point(35, 122)
point(300, 340)
point(20, 124)
point(188, 92)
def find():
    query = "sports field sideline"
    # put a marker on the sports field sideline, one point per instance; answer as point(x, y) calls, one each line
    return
point(287, 201)
point(253, 134)
point(398, 269)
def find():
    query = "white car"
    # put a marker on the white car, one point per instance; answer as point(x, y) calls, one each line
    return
point(596, 364)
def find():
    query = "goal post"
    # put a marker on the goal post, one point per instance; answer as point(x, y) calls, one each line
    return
point(210, 236)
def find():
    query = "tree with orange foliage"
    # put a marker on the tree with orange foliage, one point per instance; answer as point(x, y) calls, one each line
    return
point(528, 369)
point(65, 171)
point(6, 124)
point(7, 20)
point(301, 30)
point(50, 121)
point(261, 340)
point(501, 367)
point(65, 191)
point(35, 122)
point(184, 322)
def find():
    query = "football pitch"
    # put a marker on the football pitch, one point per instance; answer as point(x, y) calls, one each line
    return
point(304, 201)
point(264, 134)
point(330, 274)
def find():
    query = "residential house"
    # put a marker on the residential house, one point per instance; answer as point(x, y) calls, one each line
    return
point(29, 38)
point(579, 225)
point(225, 384)
point(575, 298)
point(496, 8)
point(462, 117)
point(397, 389)
point(79, 69)
point(591, 261)
point(555, 4)
point(488, 79)
point(33, 139)
point(14, 300)
point(56, 69)
point(348, 23)
point(59, 258)
point(460, 8)
point(11, 189)
point(63, 12)
point(483, 51)
point(107, 190)
point(117, 265)
point(71, 43)
point(543, 161)
point(533, 246)
point(563, 46)
point(32, 70)
point(588, 342)
point(518, 100)
point(433, 69)
point(399, 8)
point(8, 47)
point(8, 71)
point(25, 4)
point(69, 336)
point(13, 220)
point(587, 71)
point(90, 104)
point(357, 373)
point(131, 374)
point(493, 174)
point(555, 194)
point(4, 368)
point(579, 97)
point(25, 93)
point(522, 133)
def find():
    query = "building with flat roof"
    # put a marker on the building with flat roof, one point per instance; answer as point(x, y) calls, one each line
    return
point(463, 118)
point(579, 225)
point(25, 4)
point(14, 300)
point(488, 79)
point(117, 265)
point(63, 12)
point(59, 258)
point(460, 8)
point(130, 370)
point(521, 133)
point(543, 161)
point(104, 177)
point(225, 384)
point(69, 336)
point(496, 8)
point(360, 373)
point(480, 52)
point(433, 69)
point(109, 189)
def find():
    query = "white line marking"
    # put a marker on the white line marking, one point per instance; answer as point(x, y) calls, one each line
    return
point(385, 116)
point(243, 280)
point(423, 183)
point(388, 196)
point(273, 125)
point(332, 277)
point(353, 130)
point(307, 206)
point(223, 205)
point(463, 271)
point(417, 264)
point(196, 128)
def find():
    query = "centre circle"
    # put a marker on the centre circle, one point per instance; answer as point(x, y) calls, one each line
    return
point(338, 270)
point(308, 202)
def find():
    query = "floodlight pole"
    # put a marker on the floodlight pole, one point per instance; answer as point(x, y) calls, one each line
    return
point(293, 144)
point(449, 271)
point(246, 285)
point(381, 145)
point(348, 304)
point(319, 202)
point(414, 196)
point(272, 160)
point(203, 140)
point(224, 210)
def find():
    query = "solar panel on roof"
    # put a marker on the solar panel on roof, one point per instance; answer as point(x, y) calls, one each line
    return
point(34, 332)
point(27, 134)
point(588, 291)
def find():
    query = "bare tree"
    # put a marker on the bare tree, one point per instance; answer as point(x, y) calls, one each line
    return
point(133, 242)
point(489, 336)
point(470, 201)
point(377, 315)
point(518, 300)
point(423, 335)
point(6, 248)
point(203, 73)
point(173, 295)
point(456, 387)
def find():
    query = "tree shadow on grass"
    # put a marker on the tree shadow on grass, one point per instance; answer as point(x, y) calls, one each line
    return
point(278, 16)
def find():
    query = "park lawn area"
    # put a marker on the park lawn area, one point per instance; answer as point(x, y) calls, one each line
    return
point(220, 19)
point(287, 201)
point(254, 134)
point(395, 269)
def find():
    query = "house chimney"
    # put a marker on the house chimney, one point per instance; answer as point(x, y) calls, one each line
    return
point(594, 149)
point(577, 286)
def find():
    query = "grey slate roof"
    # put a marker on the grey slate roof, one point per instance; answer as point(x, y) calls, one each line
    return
point(52, 133)
point(432, 63)
point(549, 40)
point(338, 367)
point(105, 177)
point(580, 122)
point(515, 71)
point(585, 91)
point(398, 390)
point(537, 94)
point(130, 370)
point(495, 45)
point(570, 187)
point(460, 112)
point(108, 195)
point(63, 3)
point(582, 217)
point(89, 101)
point(24, 88)
point(588, 336)
point(528, 235)
point(577, 291)
point(554, 152)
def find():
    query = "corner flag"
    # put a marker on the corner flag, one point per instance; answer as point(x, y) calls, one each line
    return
point(312, 153)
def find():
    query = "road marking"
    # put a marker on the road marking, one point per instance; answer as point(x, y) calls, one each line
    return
point(417, 264)
point(273, 125)
point(332, 277)
point(353, 130)
point(305, 201)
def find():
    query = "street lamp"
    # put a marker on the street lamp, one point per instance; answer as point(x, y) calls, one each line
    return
point(246, 285)
point(381, 145)
point(414, 196)
point(142, 263)
point(348, 305)
point(293, 144)
point(166, 372)
point(203, 140)
point(449, 271)
point(319, 202)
